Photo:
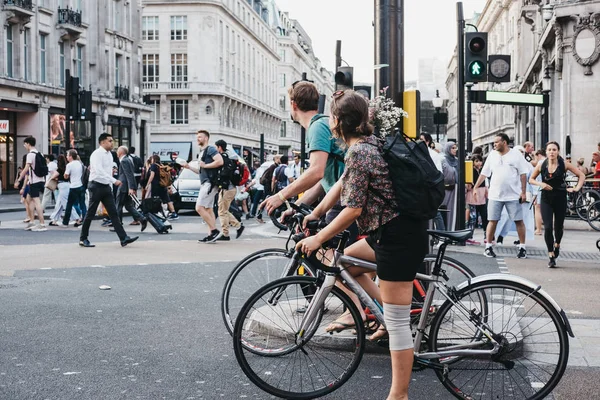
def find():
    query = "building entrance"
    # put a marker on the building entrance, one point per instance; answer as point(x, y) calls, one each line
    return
point(8, 151)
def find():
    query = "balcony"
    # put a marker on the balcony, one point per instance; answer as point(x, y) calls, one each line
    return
point(122, 92)
point(70, 21)
point(18, 11)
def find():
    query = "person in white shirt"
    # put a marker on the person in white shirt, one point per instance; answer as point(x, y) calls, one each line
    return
point(100, 186)
point(295, 168)
point(76, 198)
point(36, 186)
point(508, 185)
point(52, 166)
point(435, 156)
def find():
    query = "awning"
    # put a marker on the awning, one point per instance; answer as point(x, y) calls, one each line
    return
point(169, 151)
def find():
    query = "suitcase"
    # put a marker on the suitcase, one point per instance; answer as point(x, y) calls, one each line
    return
point(159, 222)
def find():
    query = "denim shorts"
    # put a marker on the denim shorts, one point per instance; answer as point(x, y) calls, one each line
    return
point(513, 207)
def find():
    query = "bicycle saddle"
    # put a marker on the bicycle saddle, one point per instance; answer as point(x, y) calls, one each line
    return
point(454, 236)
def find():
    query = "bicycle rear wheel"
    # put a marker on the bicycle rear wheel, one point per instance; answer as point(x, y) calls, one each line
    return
point(593, 215)
point(534, 347)
point(252, 273)
point(284, 365)
point(583, 202)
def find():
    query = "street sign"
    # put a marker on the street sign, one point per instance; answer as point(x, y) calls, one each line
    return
point(509, 98)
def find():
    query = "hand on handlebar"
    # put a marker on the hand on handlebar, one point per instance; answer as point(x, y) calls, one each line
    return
point(308, 245)
point(271, 204)
point(308, 218)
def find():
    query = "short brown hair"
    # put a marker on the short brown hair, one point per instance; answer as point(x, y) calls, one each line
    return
point(205, 132)
point(352, 112)
point(305, 95)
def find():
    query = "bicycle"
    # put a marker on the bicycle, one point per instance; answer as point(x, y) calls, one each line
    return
point(264, 266)
point(495, 336)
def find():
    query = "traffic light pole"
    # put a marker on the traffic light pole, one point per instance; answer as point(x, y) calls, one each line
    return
point(67, 134)
point(469, 119)
point(460, 193)
point(389, 48)
point(303, 138)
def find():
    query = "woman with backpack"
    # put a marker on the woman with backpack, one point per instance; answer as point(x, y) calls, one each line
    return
point(155, 189)
point(396, 242)
point(554, 196)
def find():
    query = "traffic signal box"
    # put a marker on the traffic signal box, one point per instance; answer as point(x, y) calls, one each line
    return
point(344, 78)
point(476, 57)
point(469, 171)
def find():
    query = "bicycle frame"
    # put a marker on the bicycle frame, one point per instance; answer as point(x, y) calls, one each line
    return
point(341, 262)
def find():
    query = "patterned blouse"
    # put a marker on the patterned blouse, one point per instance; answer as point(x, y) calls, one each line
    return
point(367, 170)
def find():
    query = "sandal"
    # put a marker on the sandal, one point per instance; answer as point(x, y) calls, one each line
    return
point(339, 326)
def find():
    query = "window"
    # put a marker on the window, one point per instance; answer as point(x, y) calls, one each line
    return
point(61, 63)
point(26, 54)
point(179, 27)
point(79, 63)
point(179, 70)
point(43, 58)
point(282, 80)
point(149, 28)
point(9, 51)
point(150, 72)
point(209, 109)
point(282, 102)
point(155, 116)
point(117, 67)
point(117, 15)
point(179, 112)
point(283, 129)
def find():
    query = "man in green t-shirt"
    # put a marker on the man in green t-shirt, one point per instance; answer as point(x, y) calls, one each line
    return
point(325, 155)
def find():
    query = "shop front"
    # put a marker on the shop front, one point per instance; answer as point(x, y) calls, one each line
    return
point(120, 129)
point(8, 152)
point(82, 135)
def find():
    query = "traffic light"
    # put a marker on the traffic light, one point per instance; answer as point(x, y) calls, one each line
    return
point(85, 105)
point(344, 79)
point(364, 90)
point(499, 68)
point(476, 57)
point(72, 97)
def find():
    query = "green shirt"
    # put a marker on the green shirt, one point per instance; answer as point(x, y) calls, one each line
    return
point(319, 138)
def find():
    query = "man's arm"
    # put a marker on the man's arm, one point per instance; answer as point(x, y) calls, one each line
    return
point(312, 195)
point(217, 162)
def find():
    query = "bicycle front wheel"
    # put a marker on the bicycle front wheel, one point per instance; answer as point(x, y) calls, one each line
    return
point(276, 357)
point(252, 273)
point(593, 215)
point(534, 347)
point(585, 199)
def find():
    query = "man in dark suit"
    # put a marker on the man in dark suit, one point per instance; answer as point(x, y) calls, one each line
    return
point(128, 188)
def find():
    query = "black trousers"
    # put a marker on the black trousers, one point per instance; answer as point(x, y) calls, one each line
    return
point(554, 209)
point(100, 193)
point(124, 200)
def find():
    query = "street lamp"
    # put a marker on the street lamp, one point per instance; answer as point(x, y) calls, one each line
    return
point(437, 103)
point(546, 83)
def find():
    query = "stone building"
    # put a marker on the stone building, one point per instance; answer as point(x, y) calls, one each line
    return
point(555, 46)
point(297, 57)
point(98, 41)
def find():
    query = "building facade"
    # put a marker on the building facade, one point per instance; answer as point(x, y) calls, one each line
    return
point(210, 65)
point(99, 43)
point(555, 47)
point(297, 57)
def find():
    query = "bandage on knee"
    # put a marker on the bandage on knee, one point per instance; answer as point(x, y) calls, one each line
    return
point(397, 323)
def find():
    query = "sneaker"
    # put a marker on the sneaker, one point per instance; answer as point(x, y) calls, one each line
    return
point(556, 251)
point(473, 242)
point(39, 228)
point(522, 253)
point(173, 216)
point(552, 262)
point(29, 226)
point(210, 237)
point(517, 242)
point(500, 240)
point(216, 236)
point(239, 232)
point(222, 238)
point(106, 223)
point(489, 252)
point(64, 226)
point(248, 216)
point(260, 220)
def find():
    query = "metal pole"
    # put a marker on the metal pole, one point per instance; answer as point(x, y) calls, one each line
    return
point(546, 124)
point(460, 193)
point(469, 119)
point(303, 138)
point(67, 134)
point(262, 148)
point(437, 128)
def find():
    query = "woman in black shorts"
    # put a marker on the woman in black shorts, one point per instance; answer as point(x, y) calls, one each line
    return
point(396, 243)
point(554, 196)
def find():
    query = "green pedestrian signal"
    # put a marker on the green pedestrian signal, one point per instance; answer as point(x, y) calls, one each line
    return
point(476, 69)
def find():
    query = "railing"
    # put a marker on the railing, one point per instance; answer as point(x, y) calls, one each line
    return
point(69, 16)
point(122, 92)
point(26, 4)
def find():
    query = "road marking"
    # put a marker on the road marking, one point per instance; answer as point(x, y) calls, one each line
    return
point(502, 266)
point(46, 268)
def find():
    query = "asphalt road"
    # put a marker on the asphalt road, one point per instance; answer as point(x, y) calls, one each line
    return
point(157, 333)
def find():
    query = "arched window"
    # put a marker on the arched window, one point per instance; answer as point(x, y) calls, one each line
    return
point(209, 109)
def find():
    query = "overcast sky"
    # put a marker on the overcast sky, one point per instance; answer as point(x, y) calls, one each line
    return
point(430, 30)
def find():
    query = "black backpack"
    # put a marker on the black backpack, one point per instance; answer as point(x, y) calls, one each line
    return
point(40, 168)
point(226, 173)
point(281, 177)
point(418, 185)
point(85, 175)
point(138, 164)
